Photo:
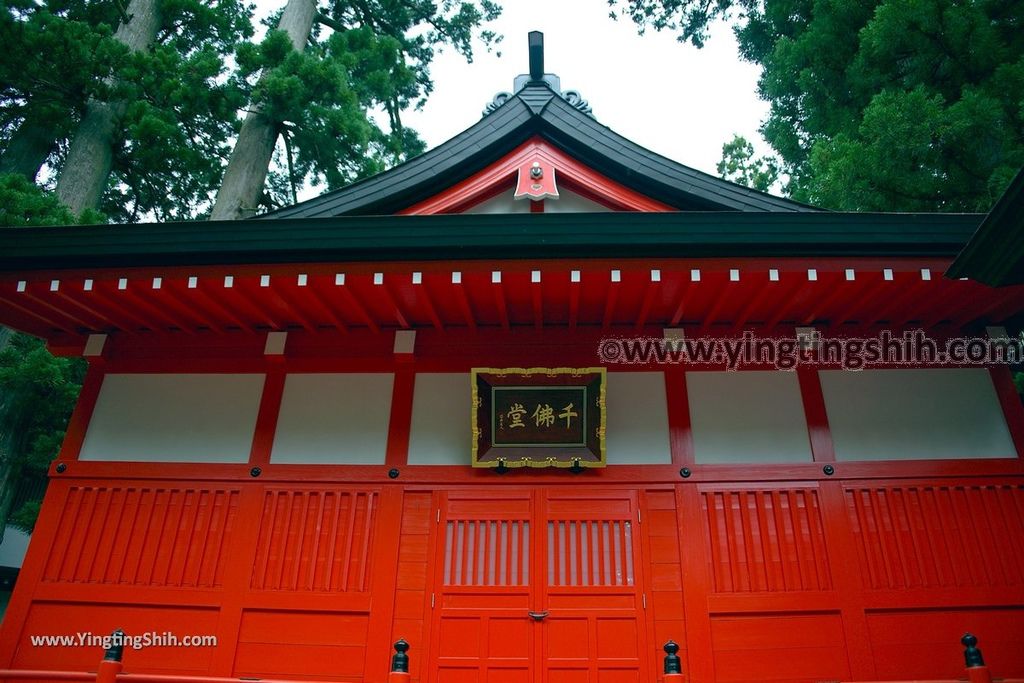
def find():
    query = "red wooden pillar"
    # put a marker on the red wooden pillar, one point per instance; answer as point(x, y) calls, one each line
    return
point(696, 585)
point(837, 528)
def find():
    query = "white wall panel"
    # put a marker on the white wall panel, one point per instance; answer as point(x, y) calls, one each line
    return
point(337, 418)
point(501, 203)
point(441, 421)
point(747, 417)
point(570, 202)
point(174, 418)
point(567, 202)
point(637, 429)
point(912, 414)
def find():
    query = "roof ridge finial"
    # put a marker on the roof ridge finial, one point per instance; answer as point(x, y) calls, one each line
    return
point(537, 77)
point(536, 43)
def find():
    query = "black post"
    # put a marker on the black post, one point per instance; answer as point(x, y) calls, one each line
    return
point(673, 665)
point(536, 42)
point(115, 653)
point(400, 662)
point(972, 655)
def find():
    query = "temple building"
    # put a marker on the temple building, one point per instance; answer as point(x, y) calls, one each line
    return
point(538, 402)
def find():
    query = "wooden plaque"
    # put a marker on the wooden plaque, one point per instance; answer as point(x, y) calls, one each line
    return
point(538, 417)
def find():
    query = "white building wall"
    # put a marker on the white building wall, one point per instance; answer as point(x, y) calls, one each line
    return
point(339, 419)
point(747, 417)
point(913, 414)
point(174, 418)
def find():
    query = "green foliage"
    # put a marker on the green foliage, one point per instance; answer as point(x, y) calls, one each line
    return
point(24, 204)
point(365, 57)
point(739, 165)
point(688, 18)
point(25, 516)
point(171, 141)
point(39, 392)
point(76, 49)
point(1018, 380)
point(896, 105)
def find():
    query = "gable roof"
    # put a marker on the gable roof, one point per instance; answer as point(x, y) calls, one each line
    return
point(538, 110)
point(995, 254)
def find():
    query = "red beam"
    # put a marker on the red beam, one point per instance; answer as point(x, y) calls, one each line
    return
point(348, 295)
point(763, 291)
point(137, 301)
point(77, 322)
point(201, 299)
point(499, 299)
point(609, 304)
point(863, 302)
point(320, 302)
point(537, 302)
point(421, 289)
point(392, 303)
point(463, 301)
point(574, 299)
point(822, 305)
point(683, 302)
point(645, 305)
point(716, 305)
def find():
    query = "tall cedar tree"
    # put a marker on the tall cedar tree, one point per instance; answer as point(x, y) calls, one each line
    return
point(37, 390)
point(173, 105)
point(880, 105)
point(37, 394)
point(318, 77)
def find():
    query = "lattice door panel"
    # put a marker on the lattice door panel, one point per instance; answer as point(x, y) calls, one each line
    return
point(538, 585)
point(484, 580)
point(596, 629)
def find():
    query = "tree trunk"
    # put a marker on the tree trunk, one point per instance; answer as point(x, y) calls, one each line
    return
point(247, 169)
point(28, 149)
point(87, 167)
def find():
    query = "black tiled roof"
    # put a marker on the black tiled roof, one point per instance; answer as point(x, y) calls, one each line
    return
point(995, 254)
point(538, 110)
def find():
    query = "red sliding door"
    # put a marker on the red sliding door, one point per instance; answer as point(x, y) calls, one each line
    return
point(538, 585)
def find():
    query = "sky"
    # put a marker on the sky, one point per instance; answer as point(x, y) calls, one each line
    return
point(672, 98)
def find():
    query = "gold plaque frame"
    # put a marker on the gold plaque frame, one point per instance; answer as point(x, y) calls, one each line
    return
point(589, 450)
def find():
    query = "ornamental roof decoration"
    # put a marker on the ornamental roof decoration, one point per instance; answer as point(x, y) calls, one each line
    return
point(536, 77)
point(536, 108)
point(573, 97)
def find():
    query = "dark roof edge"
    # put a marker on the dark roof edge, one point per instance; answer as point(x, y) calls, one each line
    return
point(650, 182)
point(500, 236)
point(996, 249)
point(414, 180)
point(537, 109)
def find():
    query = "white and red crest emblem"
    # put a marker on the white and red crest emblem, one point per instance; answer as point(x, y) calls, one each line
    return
point(536, 181)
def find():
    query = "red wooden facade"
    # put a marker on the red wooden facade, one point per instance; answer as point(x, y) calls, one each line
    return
point(824, 570)
point(311, 571)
